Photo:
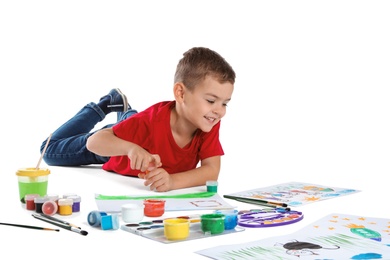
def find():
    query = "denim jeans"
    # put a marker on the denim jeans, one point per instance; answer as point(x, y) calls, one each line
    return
point(67, 145)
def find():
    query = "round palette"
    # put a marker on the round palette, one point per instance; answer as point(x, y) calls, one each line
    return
point(268, 218)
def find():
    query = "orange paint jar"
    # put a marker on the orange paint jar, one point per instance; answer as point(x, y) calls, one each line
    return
point(154, 207)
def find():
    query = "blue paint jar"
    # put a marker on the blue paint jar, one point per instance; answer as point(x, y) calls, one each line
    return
point(95, 218)
point(101, 219)
point(231, 218)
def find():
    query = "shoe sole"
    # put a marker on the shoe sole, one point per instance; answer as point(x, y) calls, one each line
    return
point(124, 98)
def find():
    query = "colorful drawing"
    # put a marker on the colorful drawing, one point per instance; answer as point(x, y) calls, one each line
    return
point(336, 236)
point(298, 248)
point(292, 193)
point(365, 232)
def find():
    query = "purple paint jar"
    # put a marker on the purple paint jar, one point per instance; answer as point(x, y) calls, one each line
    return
point(76, 202)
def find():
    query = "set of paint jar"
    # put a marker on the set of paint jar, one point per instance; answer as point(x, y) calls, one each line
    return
point(103, 220)
point(52, 204)
point(219, 221)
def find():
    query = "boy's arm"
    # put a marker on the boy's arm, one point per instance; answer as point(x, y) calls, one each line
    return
point(105, 143)
point(208, 171)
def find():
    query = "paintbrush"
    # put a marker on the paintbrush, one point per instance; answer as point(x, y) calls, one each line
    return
point(61, 225)
point(27, 226)
point(59, 220)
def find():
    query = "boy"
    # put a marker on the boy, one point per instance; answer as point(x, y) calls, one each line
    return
point(162, 144)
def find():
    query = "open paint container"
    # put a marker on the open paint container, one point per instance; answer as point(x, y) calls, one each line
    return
point(154, 207)
point(176, 228)
point(231, 218)
point(132, 212)
point(212, 223)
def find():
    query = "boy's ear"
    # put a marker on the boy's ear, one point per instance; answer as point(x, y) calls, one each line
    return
point(178, 91)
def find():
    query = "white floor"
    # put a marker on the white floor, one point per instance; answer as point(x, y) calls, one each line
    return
point(311, 102)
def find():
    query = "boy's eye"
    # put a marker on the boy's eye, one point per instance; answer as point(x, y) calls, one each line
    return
point(210, 101)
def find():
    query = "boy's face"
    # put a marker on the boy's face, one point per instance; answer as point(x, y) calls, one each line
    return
point(206, 104)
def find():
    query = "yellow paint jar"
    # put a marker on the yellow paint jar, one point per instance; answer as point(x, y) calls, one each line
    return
point(176, 228)
point(65, 206)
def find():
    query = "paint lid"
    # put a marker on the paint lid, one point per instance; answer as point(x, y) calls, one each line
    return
point(40, 199)
point(49, 208)
point(52, 197)
point(65, 202)
point(67, 195)
point(30, 196)
point(75, 198)
point(110, 222)
point(32, 172)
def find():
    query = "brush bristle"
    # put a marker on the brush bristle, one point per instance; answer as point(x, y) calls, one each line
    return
point(83, 232)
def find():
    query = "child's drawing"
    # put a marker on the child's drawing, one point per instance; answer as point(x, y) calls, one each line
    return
point(175, 202)
point(294, 193)
point(336, 236)
point(299, 248)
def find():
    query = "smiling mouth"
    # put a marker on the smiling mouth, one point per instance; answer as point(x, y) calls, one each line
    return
point(211, 119)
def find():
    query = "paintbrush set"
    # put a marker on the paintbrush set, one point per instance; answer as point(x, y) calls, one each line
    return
point(60, 223)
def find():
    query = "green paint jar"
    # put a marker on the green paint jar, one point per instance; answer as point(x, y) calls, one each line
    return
point(212, 223)
point(212, 186)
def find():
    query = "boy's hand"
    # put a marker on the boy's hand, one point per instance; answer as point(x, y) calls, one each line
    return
point(142, 160)
point(157, 179)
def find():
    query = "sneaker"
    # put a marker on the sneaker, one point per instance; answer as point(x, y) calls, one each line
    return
point(118, 101)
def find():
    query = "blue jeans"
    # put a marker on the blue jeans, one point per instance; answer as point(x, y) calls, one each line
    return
point(67, 145)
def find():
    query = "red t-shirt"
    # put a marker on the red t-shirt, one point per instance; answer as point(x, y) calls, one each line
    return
point(151, 130)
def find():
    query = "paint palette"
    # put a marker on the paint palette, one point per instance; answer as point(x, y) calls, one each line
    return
point(268, 218)
point(154, 229)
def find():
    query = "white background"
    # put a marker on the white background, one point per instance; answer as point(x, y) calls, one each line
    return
point(311, 99)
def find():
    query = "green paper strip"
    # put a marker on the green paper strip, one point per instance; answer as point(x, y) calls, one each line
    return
point(178, 196)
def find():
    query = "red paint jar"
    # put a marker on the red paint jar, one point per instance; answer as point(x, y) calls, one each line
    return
point(29, 199)
point(154, 207)
point(49, 208)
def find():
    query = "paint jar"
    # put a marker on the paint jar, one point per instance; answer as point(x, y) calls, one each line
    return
point(212, 223)
point(32, 181)
point(154, 207)
point(95, 218)
point(65, 206)
point(53, 197)
point(132, 212)
point(110, 222)
point(39, 203)
point(212, 186)
point(49, 207)
point(76, 203)
point(176, 228)
point(231, 218)
point(29, 200)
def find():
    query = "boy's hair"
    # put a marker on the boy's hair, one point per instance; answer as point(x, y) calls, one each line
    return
point(199, 62)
